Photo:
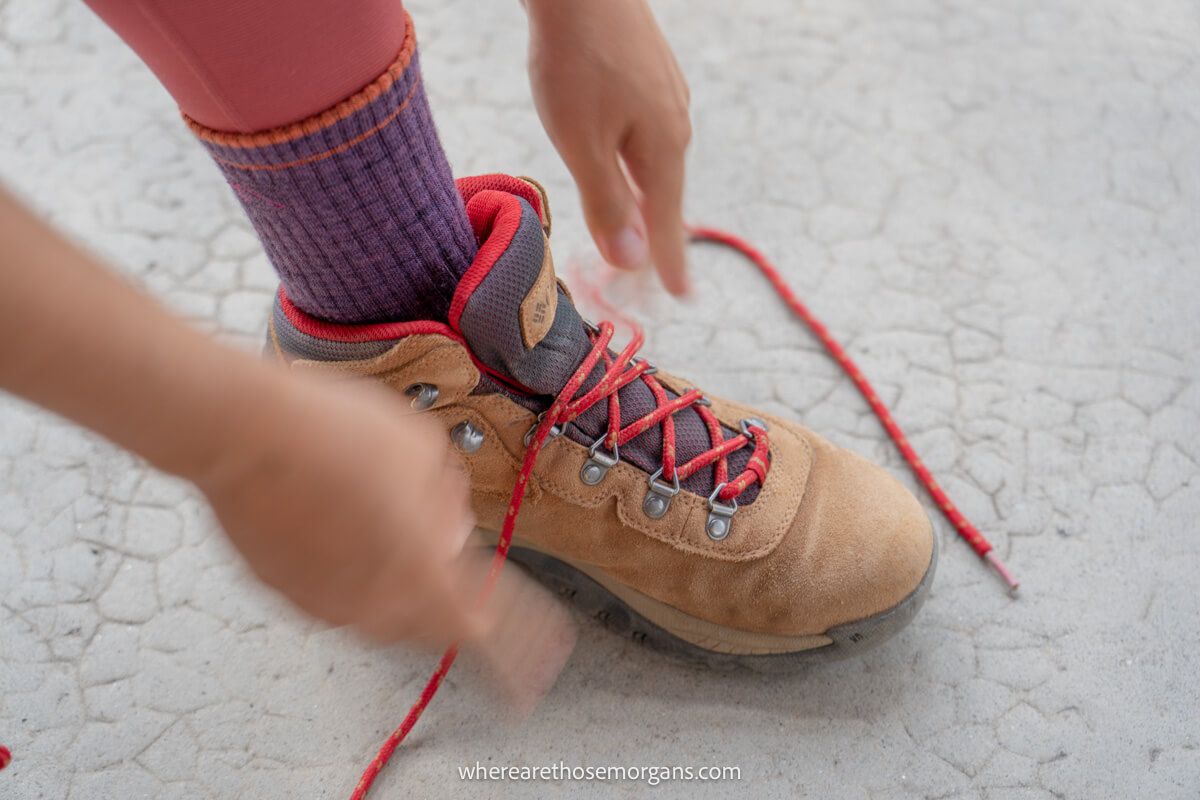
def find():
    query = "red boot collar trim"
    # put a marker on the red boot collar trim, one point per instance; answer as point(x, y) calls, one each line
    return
point(371, 332)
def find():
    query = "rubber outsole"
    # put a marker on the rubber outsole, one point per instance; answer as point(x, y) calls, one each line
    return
point(593, 599)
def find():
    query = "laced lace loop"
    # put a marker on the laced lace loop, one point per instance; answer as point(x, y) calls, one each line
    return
point(623, 369)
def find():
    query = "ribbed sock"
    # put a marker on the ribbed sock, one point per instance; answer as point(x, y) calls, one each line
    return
point(356, 206)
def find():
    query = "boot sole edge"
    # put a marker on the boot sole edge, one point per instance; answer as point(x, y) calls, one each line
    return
point(593, 597)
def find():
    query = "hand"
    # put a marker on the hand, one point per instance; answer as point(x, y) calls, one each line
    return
point(354, 512)
point(358, 514)
point(612, 99)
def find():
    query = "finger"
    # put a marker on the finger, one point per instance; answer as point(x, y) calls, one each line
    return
point(657, 167)
point(610, 207)
point(525, 639)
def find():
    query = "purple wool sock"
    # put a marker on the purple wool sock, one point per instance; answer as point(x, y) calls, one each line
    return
point(356, 206)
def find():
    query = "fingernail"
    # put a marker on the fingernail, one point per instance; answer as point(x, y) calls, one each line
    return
point(680, 287)
point(628, 248)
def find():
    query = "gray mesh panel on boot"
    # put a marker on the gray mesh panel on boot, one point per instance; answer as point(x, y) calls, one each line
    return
point(491, 324)
point(297, 344)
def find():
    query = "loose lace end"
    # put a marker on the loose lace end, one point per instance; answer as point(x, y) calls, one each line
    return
point(1005, 573)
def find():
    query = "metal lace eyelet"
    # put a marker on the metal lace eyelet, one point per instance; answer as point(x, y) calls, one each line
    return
point(599, 462)
point(750, 422)
point(555, 431)
point(650, 369)
point(720, 515)
point(423, 395)
point(466, 437)
point(658, 497)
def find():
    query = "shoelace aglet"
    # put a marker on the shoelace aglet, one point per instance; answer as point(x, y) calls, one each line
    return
point(1005, 573)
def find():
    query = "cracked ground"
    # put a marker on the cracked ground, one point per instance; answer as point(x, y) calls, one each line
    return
point(994, 205)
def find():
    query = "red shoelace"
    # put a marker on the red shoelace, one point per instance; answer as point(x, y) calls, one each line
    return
point(625, 368)
point(622, 370)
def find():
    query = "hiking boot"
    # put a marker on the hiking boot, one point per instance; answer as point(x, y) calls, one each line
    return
point(702, 526)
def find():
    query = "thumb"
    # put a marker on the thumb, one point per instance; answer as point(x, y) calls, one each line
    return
point(611, 211)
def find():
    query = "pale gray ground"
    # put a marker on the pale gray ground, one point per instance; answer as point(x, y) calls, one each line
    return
point(995, 204)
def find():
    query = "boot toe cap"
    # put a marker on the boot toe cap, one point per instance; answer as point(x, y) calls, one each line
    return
point(863, 541)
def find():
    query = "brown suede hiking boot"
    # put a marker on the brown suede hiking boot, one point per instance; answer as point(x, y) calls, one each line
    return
point(702, 526)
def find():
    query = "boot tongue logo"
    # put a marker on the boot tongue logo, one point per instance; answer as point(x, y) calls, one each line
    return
point(540, 304)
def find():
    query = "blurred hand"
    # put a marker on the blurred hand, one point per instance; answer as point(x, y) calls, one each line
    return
point(358, 513)
point(612, 99)
point(355, 512)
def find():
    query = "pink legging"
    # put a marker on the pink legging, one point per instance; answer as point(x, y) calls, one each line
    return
point(250, 65)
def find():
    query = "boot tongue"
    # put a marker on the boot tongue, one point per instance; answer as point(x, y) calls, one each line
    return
point(510, 309)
